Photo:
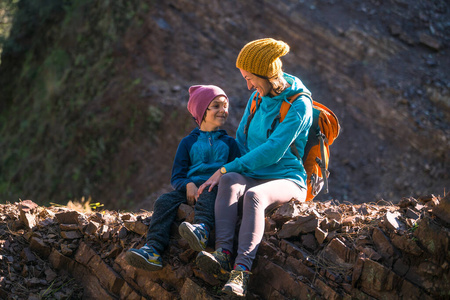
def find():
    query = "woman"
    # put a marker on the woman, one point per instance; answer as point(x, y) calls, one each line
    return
point(268, 173)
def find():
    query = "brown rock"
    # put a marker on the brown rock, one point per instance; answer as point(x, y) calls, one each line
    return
point(27, 255)
point(326, 291)
point(137, 226)
point(300, 225)
point(114, 252)
point(406, 202)
point(68, 217)
point(430, 41)
point(105, 274)
point(333, 214)
point(393, 222)
point(40, 247)
point(27, 206)
point(320, 235)
point(406, 244)
point(309, 241)
point(350, 221)
point(270, 225)
point(433, 238)
point(338, 253)
point(66, 250)
point(92, 228)
point(287, 211)
point(185, 213)
point(61, 262)
point(50, 275)
point(70, 235)
point(383, 245)
point(268, 277)
point(411, 214)
point(192, 291)
point(68, 227)
point(371, 253)
point(330, 225)
point(28, 219)
point(292, 250)
point(442, 210)
point(377, 280)
point(128, 217)
point(296, 266)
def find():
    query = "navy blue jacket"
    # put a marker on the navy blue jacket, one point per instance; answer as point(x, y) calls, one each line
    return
point(199, 155)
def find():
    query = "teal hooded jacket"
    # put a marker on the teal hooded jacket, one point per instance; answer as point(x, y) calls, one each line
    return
point(270, 157)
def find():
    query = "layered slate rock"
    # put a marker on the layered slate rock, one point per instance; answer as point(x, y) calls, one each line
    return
point(309, 251)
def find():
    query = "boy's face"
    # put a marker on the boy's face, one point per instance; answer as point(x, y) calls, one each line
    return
point(216, 113)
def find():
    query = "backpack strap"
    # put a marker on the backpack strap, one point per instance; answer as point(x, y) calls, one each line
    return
point(322, 138)
point(283, 111)
point(254, 106)
point(284, 108)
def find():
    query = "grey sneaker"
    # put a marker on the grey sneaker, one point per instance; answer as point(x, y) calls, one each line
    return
point(238, 282)
point(216, 263)
point(195, 234)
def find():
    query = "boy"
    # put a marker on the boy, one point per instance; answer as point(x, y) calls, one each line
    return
point(198, 156)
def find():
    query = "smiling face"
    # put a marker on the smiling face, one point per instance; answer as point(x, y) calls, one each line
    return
point(262, 85)
point(216, 114)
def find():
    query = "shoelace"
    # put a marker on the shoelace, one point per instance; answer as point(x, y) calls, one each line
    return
point(238, 276)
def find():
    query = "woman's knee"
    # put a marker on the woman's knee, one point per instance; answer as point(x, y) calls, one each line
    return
point(229, 179)
point(253, 197)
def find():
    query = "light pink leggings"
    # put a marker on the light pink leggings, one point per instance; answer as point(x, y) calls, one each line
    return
point(259, 195)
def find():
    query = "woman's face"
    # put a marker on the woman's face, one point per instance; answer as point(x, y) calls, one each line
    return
point(262, 85)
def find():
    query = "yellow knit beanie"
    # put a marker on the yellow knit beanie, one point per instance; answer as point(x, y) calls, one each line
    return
point(262, 57)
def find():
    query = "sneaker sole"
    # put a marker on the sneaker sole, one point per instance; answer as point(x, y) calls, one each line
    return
point(208, 264)
point(138, 261)
point(190, 237)
point(231, 291)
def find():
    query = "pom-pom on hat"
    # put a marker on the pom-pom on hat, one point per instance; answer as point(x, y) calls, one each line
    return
point(200, 96)
point(262, 57)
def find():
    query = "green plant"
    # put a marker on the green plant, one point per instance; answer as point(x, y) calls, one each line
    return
point(414, 227)
point(49, 291)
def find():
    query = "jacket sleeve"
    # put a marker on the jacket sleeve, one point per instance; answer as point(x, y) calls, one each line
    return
point(181, 165)
point(298, 119)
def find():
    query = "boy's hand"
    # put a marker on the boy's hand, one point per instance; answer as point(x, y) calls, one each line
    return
point(211, 182)
point(191, 192)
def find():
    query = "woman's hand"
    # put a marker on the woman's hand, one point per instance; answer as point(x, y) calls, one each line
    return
point(211, 182)
point(191, 193)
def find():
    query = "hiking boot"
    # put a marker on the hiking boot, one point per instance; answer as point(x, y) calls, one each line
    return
point(146, 258)
point(238, 282)
point(196, 235)
point(216, 263)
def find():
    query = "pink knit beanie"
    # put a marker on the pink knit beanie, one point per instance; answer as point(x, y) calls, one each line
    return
point(200, 96)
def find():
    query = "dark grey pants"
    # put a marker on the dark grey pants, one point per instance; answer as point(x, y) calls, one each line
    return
point(165, 212)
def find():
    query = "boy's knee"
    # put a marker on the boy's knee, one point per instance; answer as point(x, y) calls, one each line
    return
point(168, 199)
point(158, 203)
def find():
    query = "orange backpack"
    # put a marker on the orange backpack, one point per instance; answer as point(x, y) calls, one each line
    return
point(324, 130)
